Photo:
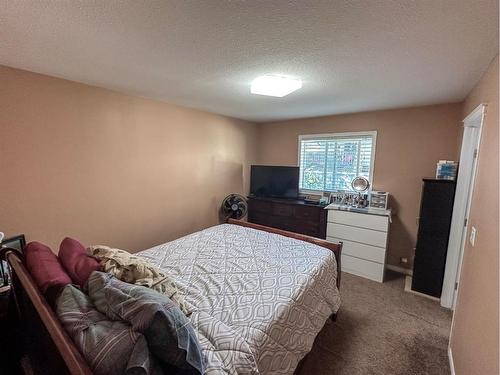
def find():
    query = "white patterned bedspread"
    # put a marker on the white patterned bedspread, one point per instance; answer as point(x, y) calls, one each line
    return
point(259, 299)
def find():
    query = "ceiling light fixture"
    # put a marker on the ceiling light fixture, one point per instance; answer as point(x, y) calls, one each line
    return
point(275, 85)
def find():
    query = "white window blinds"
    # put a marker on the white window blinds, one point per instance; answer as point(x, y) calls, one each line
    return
point(330, 162)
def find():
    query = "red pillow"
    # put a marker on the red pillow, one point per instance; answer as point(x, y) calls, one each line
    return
point(45, 269)
point(76, 262)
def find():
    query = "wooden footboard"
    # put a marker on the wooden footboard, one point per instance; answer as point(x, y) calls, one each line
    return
point(335, 247)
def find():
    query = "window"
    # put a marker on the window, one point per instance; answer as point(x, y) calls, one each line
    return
point(329, 162)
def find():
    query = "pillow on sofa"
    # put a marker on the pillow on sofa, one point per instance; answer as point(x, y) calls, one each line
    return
point(75, 260)
point(110, 347)
point(169, 333)
point(46, 270)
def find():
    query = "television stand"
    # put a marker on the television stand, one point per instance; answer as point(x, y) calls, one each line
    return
point(293, 215)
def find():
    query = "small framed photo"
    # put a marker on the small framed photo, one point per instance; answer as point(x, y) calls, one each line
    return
point(18, 243)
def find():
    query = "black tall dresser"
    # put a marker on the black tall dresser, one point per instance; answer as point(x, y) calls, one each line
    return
point(434, 224)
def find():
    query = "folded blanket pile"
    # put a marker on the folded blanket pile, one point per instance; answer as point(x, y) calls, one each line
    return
point(124, 329)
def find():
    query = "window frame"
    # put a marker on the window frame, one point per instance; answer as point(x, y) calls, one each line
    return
point(301, 137)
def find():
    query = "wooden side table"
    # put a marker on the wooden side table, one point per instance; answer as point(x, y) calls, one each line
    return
point(4, 305)
point(9, 356)
point(9, 360)
point(16, 242)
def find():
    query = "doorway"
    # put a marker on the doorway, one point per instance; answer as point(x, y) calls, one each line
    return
point(463, 195)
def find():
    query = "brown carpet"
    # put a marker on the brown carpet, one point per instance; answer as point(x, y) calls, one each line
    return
point(381, 330)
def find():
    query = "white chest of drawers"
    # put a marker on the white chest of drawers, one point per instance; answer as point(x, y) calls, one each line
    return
point(365, 241)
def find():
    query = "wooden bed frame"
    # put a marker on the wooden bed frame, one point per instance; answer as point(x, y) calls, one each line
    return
point(41, 343)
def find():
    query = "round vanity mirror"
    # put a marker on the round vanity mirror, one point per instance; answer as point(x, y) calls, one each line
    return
point(360, 184)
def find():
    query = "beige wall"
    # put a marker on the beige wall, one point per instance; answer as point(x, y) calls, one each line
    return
point(409, 143)
point(474, 339)
point(108, 168)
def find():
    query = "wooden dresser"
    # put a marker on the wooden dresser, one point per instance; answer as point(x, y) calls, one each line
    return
point(292, 215)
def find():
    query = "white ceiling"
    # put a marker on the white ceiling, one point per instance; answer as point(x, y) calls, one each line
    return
point(351, 55)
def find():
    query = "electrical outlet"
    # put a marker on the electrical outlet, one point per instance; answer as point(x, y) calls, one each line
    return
point(403, 260)
point(472, 237)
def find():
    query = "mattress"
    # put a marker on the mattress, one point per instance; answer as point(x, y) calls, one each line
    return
point(258, 299)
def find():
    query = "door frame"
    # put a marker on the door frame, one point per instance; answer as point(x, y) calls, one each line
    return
point(469, 154)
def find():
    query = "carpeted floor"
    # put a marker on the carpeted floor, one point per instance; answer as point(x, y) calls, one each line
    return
point(381, 330)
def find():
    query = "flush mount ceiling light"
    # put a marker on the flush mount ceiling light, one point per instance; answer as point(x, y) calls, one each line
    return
point(275, 85)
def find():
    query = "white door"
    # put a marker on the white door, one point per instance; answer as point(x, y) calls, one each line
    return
point(463, 195)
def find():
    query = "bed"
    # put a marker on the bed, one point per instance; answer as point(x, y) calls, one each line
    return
point(258, 296)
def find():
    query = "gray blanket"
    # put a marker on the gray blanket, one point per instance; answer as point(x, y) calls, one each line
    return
point(122, 328)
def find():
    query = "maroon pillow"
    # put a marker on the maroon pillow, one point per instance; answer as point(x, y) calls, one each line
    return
point(76, 262)
point(45, 269)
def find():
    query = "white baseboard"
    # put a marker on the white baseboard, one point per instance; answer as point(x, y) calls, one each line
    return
point(404, 271)
point(450, 357)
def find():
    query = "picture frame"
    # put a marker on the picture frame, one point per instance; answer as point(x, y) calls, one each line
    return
point(16, 242)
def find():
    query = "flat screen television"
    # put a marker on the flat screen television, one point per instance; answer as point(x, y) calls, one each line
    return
point(274, 181)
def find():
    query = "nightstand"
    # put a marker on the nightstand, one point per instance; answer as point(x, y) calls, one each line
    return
point(4, 304)
point(8, 357)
